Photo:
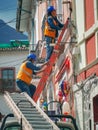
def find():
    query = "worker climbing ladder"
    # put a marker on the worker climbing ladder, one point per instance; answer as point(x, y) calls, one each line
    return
point(52, 61)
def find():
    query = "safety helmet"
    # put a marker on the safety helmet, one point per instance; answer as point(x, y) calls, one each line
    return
point(50, 9)
point(31, 56)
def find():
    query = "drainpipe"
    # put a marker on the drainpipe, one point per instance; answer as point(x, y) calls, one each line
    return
point(32, 28)
point(32, 35)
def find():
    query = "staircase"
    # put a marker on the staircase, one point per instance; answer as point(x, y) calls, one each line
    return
point(27, 111)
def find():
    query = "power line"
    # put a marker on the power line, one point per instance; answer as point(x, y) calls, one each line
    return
point(7, 7)
point(11, 7)
point(15, 60)
point(12, 21)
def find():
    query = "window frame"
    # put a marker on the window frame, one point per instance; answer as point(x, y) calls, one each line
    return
point(11, 80)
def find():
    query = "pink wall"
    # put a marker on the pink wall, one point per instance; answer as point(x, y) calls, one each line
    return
point(90, 49)
point(89, 13)
point(90, 42)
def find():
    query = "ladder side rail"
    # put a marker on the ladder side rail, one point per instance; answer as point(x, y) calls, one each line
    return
point(18, 114)
point(55, 52)
point(48, 69)
point(62, 66)
point(65, 38)
point(41, 111)
point(42, 47)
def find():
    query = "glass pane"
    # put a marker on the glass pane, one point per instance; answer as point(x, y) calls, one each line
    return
point(8, 78)
point(8, 74)
point(11, 74)
point(4, 74)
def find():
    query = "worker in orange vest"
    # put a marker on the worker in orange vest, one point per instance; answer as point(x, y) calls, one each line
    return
point(25, 74)
point(52, 25)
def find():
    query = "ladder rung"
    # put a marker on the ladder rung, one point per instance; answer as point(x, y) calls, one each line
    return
point(48, 69)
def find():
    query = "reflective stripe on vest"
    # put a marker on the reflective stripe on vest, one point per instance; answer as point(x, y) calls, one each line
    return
point(25, 74)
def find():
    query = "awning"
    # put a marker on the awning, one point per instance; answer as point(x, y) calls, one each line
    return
point(5, 45)
point(14, 44)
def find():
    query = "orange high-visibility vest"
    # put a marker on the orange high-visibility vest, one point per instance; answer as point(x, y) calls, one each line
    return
point(25, 74)
point(48, 31)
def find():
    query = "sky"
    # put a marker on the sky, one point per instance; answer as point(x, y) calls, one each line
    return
point(8, 10)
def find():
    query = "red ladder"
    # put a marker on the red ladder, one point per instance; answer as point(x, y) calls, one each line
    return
point(48, 69)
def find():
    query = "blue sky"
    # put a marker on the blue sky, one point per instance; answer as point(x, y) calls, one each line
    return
point(8, 11)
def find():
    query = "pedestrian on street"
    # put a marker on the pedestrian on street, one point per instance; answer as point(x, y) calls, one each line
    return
point(25, 74)
point(52, 25)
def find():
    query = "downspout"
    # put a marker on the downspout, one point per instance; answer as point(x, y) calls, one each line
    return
point(32, 28)
point(33, 39)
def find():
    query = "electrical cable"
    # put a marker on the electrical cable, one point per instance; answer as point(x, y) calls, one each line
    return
point(11, 61)
point(14, 19)
point(11, 7)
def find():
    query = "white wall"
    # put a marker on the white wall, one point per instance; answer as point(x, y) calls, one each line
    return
point(80, 21)
point(80, 17)
point(79, 109)
point(13, 58)
point(36, 26)
point(96, 35)
point(82, 59)
point(85, 94)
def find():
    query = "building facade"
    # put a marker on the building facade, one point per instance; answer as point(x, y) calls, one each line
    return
point(86, 88)
point(74, 79)
point(11, 58)
point(63, 71)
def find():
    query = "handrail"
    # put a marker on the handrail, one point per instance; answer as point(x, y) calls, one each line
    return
point(66, 116)
point(4, 120)
point(58, 103)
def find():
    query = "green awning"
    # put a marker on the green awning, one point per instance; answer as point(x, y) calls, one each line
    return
point(5, 45)
point(19, 43)
point(15, 43)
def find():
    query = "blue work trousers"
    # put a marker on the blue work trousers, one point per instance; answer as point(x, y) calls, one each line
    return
point(29, 89)
point(49, 49)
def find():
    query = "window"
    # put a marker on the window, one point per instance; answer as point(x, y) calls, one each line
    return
point(7, 79)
